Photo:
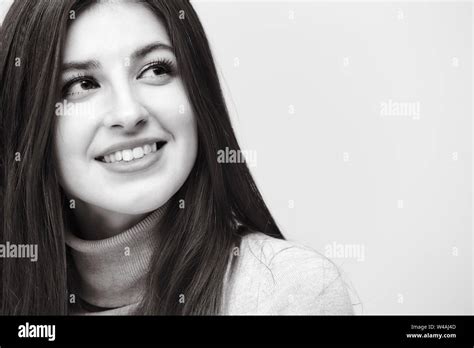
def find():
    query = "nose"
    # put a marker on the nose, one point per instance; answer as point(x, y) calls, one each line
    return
point(128, 114)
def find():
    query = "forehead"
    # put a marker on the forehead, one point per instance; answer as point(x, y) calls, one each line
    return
point(113, 29)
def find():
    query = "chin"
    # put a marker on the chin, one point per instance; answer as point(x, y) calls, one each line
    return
point(137, 207)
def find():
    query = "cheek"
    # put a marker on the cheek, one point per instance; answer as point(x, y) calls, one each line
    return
point(72, 136)
point(182, 127)
point(177, 118)
point(186, 140)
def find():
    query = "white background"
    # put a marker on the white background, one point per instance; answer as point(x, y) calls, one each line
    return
point(398, 191)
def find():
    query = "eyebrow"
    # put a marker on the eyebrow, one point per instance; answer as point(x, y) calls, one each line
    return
point(94, 64)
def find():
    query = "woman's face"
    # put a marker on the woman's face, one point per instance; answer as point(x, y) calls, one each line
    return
point(126, 137)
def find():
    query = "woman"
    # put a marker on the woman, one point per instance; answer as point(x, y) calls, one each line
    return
point(112, 117)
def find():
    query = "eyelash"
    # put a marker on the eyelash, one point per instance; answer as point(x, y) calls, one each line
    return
point(164, 63)
point(74, 79)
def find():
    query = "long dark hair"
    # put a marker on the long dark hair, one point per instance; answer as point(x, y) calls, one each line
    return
point(222, 202)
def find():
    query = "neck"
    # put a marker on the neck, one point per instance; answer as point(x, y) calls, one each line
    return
point(95, 223)
point(112, 272)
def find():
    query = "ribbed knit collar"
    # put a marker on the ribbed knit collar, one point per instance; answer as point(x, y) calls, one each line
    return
point(111, 272)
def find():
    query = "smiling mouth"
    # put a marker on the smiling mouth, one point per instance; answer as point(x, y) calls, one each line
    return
point(130, 155)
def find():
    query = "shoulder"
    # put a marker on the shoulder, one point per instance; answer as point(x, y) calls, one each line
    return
point(276, 276)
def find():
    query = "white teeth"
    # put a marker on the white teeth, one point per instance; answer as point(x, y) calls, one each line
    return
point(130, 154)
point(146, 149)
point(138, 152)
point(127, 155)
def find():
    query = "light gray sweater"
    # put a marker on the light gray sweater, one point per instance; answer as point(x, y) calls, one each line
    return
point(271, 277)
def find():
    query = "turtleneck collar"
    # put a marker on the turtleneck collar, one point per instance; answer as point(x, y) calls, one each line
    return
point(111, 272)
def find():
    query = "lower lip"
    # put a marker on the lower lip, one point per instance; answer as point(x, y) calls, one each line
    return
point(136, 165)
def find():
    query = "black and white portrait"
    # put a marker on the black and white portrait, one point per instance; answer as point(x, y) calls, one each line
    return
point(235, 157)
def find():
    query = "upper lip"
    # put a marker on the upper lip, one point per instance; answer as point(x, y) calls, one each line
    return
point(130, 144)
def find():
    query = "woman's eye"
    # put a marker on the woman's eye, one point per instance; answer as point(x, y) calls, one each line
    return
point(79, 87)
point(156, 72)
